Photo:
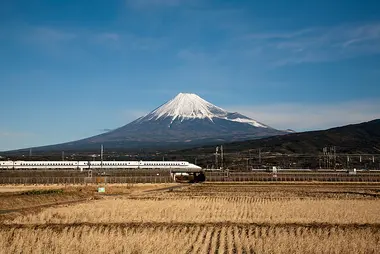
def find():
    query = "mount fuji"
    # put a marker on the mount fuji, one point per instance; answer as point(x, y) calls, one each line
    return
point(184, 121)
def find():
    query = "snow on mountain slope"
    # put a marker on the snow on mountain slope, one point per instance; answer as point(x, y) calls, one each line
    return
point(191, 106)
point(186, 105)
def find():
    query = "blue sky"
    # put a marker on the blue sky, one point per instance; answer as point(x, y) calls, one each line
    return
point(70, 69)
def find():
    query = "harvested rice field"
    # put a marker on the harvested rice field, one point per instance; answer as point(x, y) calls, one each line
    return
point(206, 218)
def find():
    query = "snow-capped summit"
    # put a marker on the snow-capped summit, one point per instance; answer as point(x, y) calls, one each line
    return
point(191, 106)
point(187, 105)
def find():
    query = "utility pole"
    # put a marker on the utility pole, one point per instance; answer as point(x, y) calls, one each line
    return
point(63, 155)
point(260, 156)
point(30, 152)
point(334, 150)
point(216, 156)
point(221, 157)
point(101, 155)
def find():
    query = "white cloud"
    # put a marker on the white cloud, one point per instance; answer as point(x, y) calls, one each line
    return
point(56, 42)
point(301, 117)
point(15, 139)
point(155, 3)
point(127, 41)
point(14, 134)
point(316, 44)
point(110, 40)
point(108, 37)
point(193, 56)
point(279, 48)
point(50, 35)
point(128, 115)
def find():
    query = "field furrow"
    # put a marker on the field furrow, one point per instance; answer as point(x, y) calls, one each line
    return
point(207, 218)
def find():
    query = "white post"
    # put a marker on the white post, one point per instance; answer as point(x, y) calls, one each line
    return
point(101, 156)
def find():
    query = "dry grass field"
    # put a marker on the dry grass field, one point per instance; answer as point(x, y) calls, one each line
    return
point(206, 218)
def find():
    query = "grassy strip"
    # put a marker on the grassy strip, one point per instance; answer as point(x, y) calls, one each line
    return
point(42, 192)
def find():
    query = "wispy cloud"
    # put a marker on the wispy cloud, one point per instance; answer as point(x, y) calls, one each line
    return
point(105, 130)
point(10, 139)
point(111, 40)
point(14, 134)
point(193, 55)
point(130, 115)
point(302, 117)
point(127, 41)
point(66, 42)
point(155, 3)
point(277, 35)
point(108, 36)
point(318, 44)
point(57, 42)
point(145, 43)
point(50, 35)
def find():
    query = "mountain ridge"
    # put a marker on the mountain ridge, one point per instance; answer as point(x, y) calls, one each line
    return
point(186, 120)
point(353, 138)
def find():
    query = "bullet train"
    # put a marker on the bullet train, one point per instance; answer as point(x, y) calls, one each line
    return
point(99, 165)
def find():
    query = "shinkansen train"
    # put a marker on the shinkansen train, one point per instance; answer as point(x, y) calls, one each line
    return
point(99, 165)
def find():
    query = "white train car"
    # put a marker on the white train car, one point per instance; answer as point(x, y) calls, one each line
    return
point(142, 165)
point(45, 164)
point(167, 165)
point(111, 164)
point(6, 164)
point(171, 165)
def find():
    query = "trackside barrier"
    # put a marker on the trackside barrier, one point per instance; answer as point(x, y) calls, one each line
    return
point(279, 176)
point(83, 180)
point(210, 177)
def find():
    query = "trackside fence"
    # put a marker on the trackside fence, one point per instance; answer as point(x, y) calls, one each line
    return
point(85, 180)
point(290, 177)
point(164, 177)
